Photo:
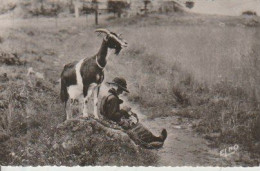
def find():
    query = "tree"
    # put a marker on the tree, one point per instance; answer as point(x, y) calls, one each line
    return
point(117, 6)
point(95, 6)
point(189, 4)
point(146, 2)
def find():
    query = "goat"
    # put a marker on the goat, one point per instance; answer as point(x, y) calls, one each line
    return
point(85, 76)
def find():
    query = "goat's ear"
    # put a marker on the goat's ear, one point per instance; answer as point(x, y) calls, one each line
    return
point(106, 37)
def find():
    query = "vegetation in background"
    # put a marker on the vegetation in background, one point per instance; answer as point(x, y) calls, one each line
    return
point(117, 7)
point(177, 70)
point(249, 13)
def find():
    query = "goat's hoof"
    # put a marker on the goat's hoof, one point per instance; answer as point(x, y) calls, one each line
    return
point(96, 116)
point(84, 117)
point(67, 120)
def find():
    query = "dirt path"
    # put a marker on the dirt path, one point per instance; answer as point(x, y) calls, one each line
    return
point(182, 147)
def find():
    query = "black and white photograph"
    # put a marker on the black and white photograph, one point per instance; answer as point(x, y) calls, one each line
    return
point(130, 83)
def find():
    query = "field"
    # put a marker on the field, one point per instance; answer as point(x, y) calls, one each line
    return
point(202, 69)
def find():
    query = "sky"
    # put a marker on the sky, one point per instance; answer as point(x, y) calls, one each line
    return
point(225, 7)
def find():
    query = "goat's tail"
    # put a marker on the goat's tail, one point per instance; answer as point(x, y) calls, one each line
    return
point(64, 96)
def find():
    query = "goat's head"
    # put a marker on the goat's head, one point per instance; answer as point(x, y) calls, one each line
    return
point(114, 40)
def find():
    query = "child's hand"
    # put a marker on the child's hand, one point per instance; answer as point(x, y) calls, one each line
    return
point(126, 108)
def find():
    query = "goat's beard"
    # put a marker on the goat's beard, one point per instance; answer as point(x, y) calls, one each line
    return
point(117, 51)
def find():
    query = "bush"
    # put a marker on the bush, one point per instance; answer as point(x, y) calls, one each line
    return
point(46, 10)
point(189, 4)
point(6, 7)
point(115, 6)
point(252, 13)
point(10, 59)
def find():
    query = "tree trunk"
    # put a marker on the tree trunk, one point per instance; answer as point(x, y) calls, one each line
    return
point(96, 16)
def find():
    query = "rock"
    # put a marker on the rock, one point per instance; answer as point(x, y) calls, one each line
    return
point(177, 127)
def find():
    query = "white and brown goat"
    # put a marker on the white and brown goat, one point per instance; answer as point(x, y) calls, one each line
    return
point(85, 76)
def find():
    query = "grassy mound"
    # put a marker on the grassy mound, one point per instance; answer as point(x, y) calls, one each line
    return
point(87, 142)
point(29, 135)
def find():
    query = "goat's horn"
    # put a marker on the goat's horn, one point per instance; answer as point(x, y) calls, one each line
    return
point(102, 31)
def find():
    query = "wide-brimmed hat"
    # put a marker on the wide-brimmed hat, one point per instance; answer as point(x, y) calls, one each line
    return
point(120, 82)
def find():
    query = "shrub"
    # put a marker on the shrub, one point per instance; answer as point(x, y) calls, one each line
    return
point(252, 13)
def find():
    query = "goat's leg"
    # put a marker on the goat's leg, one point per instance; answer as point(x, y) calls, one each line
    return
point(96, 101)
point(68, 111)
point(85, 106)
point(65, 111)
point(87, 92)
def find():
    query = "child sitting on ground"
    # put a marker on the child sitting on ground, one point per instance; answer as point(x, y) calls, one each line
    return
point(110, 109)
